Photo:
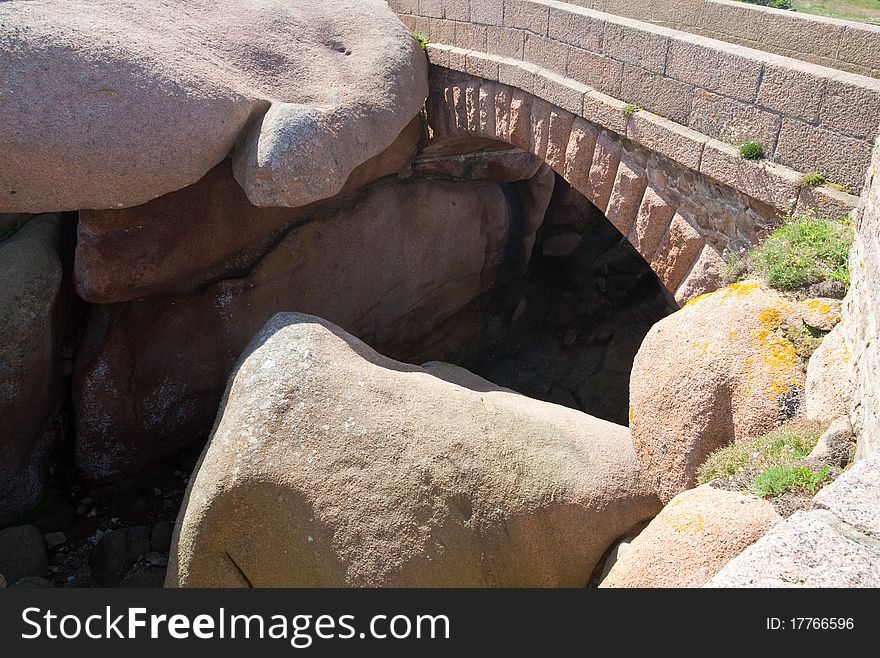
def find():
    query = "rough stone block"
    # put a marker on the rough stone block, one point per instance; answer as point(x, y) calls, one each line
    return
point(527, 16)
point(825, 203)
point(652, 222)
point(660, 95)
point(520, 119)
point(807, 148)
point(852, 105)
point(598, 71)
point(703, 63)
point(487, 13)
point(860, 45)
point(626, 195)
point(809, 549)
point(576, 29)
point(703, 277)
point(605, 111)
point(603, 170)
point(773, 184)
point(579, 153)
point(566, 93)
point(517, 74)
point(482, 65)
point(470, 36)
point(635, 46)
point(501, 41)
point(438, 54)
point(540, 127)
point(546, 53)
point(812, 36)
point(855, 496)
point(558, 134)
point(678, 250)
point(431, 8)
point(792, 91)
point(731, 121)
point(457, 59)
point(668, 138)
point(440, 31)
point(457, 10)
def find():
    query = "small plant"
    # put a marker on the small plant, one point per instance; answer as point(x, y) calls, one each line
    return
point(791, 442)
point(814, 179)
point(804, 251)
point(751, 150)
point(778, 480)
point(422, 39)
point(629, 109)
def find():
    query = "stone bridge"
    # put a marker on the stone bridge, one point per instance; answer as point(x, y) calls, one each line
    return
point(644, 121)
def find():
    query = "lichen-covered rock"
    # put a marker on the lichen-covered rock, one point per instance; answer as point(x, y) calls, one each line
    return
point(30, 376)
point(388, 263)
point(694, 536)
point(722, 369)
point(331, 465)
point(829, 391)
point(300, 94)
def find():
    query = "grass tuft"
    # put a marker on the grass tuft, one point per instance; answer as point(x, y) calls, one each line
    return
point(751, 150)
point(778, 480)
point(629, 109)
point(803, 251)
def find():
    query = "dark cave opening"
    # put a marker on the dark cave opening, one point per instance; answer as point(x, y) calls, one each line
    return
point(568, 330)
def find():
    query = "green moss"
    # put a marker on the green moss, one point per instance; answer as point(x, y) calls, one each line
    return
point(778, 480)
point(813, 179)
point(751, 150)
point(629, 109)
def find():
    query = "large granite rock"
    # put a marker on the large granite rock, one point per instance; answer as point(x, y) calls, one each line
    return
point(829, 392)
point(722, 369)
point(389, 264)
point(332, 465)
point(299, 93)
point(694, 536)
point(200, 233)
point(30, 376)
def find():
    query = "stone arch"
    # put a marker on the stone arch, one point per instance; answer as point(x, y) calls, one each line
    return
point(592, 159)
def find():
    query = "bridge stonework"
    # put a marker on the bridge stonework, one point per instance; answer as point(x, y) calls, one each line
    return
point(807, 117)
point(679, 220)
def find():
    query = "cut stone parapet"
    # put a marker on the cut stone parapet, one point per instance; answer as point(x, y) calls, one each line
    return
point(568, 54)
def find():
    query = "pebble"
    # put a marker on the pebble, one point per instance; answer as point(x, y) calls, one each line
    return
point(54, 539)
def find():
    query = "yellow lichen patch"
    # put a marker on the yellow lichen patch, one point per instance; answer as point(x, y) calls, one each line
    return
point(632, 414)
point(735, 290)
point(778, 354)
point(817, 306)
point(689, 523)
point(703, 347)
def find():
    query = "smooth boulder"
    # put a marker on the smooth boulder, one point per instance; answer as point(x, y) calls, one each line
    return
point(691, 540)
point(203, 232)
point(722, 369)
point(298, 93)
point(331, 465)
point(829, 391)
point(30, 373)
point(388, 263)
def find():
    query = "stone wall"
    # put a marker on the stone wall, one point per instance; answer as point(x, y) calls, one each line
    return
point(862, 313)
point(802, 113)
point(831, 42)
